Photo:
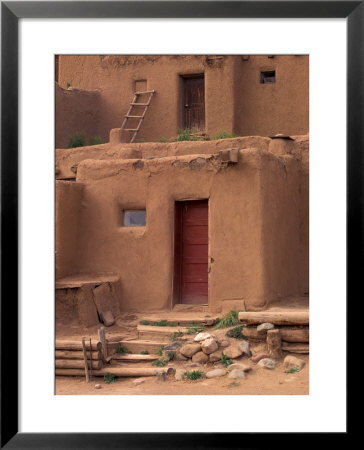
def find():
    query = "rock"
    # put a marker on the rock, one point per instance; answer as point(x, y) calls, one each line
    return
point(216, 356)
point(97, 386)
point(194, 365)
point(233, 352)
point(237, 374)
point(291, 361)
point(245, 348)
point(224, 343)
point(243, 367)
point(189, 350)
point(173, 346)
point(178, 376)
point(264, 327)
point(200, 357)
point(267, 363)
point(202, 336)
point(179, 357)
point(107, 318)
point(216, 373)
point(138, 381)
point(209, 346)
point(258, 357)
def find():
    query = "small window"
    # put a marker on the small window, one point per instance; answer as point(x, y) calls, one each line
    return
point(134, 218)
point(268, 77)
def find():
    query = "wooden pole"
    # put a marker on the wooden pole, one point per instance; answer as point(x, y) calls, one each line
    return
point(274, 343)
point(102, 338)
point(76, 345)
point(90, 358)
point(85, 360)
point(75, 354)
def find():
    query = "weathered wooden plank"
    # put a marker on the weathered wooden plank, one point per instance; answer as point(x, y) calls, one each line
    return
point(75, 354)
point(76, 345)
point(77, 364)
point(289, 334)
point(275, 317)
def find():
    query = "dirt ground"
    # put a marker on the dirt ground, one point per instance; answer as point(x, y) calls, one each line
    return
point(259, 381)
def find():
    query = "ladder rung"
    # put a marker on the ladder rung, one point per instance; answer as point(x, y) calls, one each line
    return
point(131, 129)
point(144, 92)
point(140, 104)
point(133, 117)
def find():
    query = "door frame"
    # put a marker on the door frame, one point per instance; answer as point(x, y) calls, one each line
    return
point(184, 77)
point(177, 251)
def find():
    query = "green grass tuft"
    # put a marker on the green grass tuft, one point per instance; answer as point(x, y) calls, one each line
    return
point(121, 350)
point(228, 320)
point(160, 362)
point(225, 361)
point(194, 375)
point(77, 140)
point(223, 135)
point(195, 328)
point(236, 333)
point(160, 350)
point(109, 378)
point(164, 323)
point(96, 140)
point(292, 370)
point(144, 352)
point(176, 335)
point(144, 322)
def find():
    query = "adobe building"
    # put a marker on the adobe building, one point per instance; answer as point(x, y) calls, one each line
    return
point(210, 224)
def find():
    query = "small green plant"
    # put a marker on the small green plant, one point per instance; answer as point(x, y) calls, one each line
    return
point(170, 355)
point(233, 384)
point(160, 350)
point(77, 140)
point(144, 352)
point(121, 350)
point(144, 322)
point(195, 328)
point(225, 361)
point(96, 140)
point(109, 378)
point(163, 139)
point(194, 375)
point(159, 362)
point(68, 84)
point(228, 320)
point(292, 370)
point(164, 323)
point(176, 335)
point(185, 135)
point(236, 333)
point(223, 135)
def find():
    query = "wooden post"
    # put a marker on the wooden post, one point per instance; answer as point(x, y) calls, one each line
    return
point(85, 359)
point(102, 339)
point(90, 359)
point(274, 343)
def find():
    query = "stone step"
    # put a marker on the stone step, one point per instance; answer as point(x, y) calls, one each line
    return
point(275, 317)
point(182, 318)
point(162, 334)
point(138, 345)
point(295, 347)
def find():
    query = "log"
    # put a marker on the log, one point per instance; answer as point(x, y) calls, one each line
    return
point(288, 334)
point(85, 362)
point(68, 354)
point(295, 347)
point(76, 364)
point(274, 344)
point(77, 345)
point(134, 358)
point(275, 317)
point(117, 371)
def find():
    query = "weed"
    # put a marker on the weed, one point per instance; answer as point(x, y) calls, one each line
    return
point(121, 350)
point(176, 335)
point(163, 139)
point(228, 320)
point(236, 333)
point(233, 384)
point(292, 370)
point(160, 350)
point(160, 362)
point(96, 140)
point(185, 135)
point(77, 140)
point(195, 328)
point(109, 378)
point(223, 135)
point(225, 361)
point(68, 84)
point(194, 375)
point(170, 355)
point(144, 322)
point(164, 323)
point(144, 352)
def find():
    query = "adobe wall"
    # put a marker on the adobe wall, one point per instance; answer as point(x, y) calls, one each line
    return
point(235, 100)
point(269, 109)
point(68, 202)
point(77, 110)
point(253, 225)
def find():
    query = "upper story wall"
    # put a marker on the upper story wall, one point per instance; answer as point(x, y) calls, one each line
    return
point(235, 100)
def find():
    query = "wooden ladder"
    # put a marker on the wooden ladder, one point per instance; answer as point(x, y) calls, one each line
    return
point(129, 115)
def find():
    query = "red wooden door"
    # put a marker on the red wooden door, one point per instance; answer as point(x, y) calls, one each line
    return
point(191, 252)
point(194, 103)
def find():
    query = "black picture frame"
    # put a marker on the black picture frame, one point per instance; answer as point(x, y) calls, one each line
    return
point(11, 12)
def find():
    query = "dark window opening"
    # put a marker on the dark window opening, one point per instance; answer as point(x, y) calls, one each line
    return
point(268, 77)
point(134, 218)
